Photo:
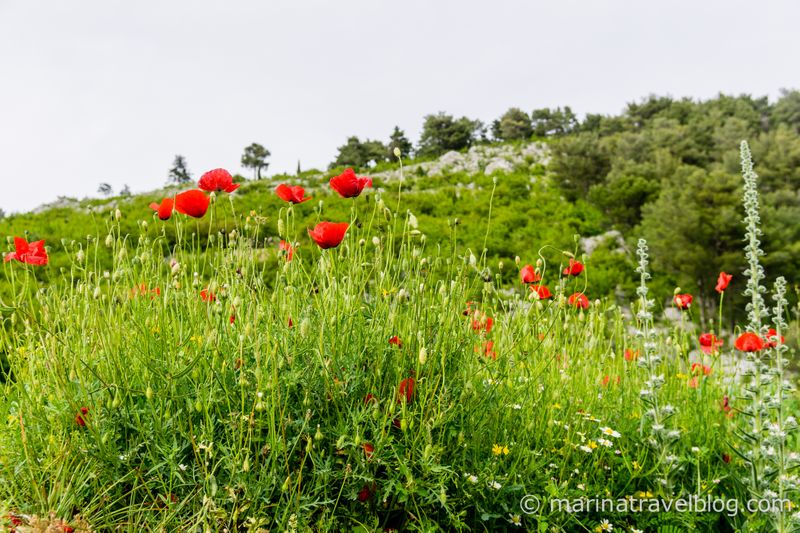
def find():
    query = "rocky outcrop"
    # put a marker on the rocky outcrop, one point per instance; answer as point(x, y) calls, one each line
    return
point(485, 159)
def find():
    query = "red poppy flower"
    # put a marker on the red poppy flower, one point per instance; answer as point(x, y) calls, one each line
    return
point(193, 203)
point(726, 405)
point(232, 319)
point(288, 248)
point(365, 493)
point(369, 449)
point(142, 290)
point(329, 234)
point(396, 341)
point(483, 323)
point(692, 383)
point(348, 185)
point(542, 291)
point(574, 268)
point(631, 355)
point(29, 253)
point(710, 343)
point(749, 342)
point(579, 300)
point(607, 379)
point(488, 350)
point(406, 390)
point(529, 275)
point(164, 209)
point(208, 296)
point(683, 301)
point(290, 323)
point(771, 340)
point(79, 418)
point(726, 458)
point(722, 281)
point(698, 368)
point(216, 180)
point(293, 194)
point(370, 398)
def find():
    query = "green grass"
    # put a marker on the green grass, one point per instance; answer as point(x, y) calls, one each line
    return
point(250, 412)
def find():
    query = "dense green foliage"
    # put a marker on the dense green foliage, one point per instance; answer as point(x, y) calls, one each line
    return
point(668, 170)
point(442, 133)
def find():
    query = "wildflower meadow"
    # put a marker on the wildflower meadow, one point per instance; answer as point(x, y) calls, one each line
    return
point(356, 377)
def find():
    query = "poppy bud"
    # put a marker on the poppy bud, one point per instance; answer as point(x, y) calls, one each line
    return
point(281, 227)
point(539, 263)
point(472, 260)
point(80, 256)
point(97, 293)
point(148, 393)
point(117, 215)
point(396, 152)
point(517, 260)
point(318, 434)
point(376, 241)
point(362, 242)
point(144, 224)
point(246, 464)
point(676, 291)
point(109, 240)
point(423, 355)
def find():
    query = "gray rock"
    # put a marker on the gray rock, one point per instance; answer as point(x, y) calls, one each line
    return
point(590, 244)
point(498, 165)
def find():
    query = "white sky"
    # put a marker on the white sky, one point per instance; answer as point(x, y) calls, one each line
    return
point(109, 91)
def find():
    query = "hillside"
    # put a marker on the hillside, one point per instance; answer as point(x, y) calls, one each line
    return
point(664, 169)
point(450, 196)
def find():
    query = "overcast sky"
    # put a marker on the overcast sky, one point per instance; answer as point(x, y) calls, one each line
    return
point(98, 91)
